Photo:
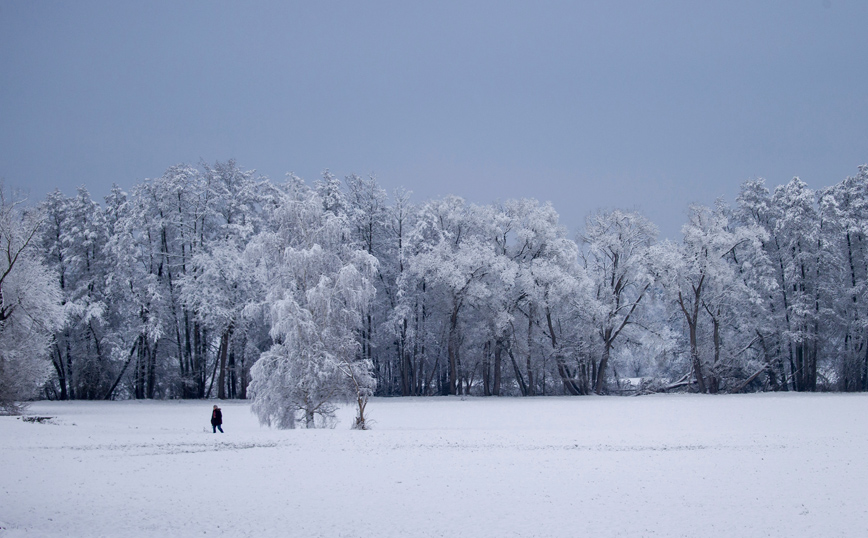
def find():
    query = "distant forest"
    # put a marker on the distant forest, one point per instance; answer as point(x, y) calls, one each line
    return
point(212, 282)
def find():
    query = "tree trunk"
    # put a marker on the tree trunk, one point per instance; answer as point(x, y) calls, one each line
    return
point(695, 358)
point(518, 377)
point(221, 354)
point(141, 357)
point(108, 395)
point(188, 377)
point(529, 365)
point(152, 372)
point(453, 348)
point(486, 368)
point(563, 369)
point(692, 318)
point(70, 373)
point(713, 377)
point(865, 369)
point(600, 385)
point(309, 417)
point(183, 363)
point(244, 370)
point(233, 374)
point(408, 372)
point(498, 366)
point(57, 361)
point(198, 387)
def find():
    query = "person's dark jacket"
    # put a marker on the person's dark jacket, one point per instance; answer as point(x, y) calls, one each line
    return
point(216, 417)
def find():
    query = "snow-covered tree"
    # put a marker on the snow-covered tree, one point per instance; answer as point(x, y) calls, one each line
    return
point(548, 283)
point(706, 285)
point(457, 262)
point(366, 214)
point(799, 330)
point(219, 284)
point(761, 274)
point(799, 241)
point(176, 289)
point(73, 238)
point(844, 210)
point(615, 255)
point(400, 321)
point(317, 291)
point(30, 309)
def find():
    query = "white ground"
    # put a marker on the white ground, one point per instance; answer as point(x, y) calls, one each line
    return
point(735, 466)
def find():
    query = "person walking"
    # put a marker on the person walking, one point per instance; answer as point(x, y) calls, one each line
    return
point(216, 420)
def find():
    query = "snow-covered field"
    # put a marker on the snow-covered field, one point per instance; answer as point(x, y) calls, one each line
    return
point(734, 466)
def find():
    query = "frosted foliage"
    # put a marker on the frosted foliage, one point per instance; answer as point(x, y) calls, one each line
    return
point(179, 288)
point(290, 385)
point(219, 286)
point(317, 291)
point(844, 208)
point(706, 276)
point(546, 260)
point(617, 257)
point(74, 237)
point(25, 336)
point(30, 309)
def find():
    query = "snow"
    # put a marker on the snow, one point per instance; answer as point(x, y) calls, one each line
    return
point(665, 465)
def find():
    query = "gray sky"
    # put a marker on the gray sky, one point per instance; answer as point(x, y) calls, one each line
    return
point(647, 105)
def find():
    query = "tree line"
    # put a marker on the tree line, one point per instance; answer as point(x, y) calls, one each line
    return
point(211, 281)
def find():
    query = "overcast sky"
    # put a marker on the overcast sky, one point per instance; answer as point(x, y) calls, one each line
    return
point(647, 105)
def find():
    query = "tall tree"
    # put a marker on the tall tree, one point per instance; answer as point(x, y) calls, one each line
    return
point(318, 289)
point(74, 237)
point(30, 310)
point(457, 261)
point(844, 209)
point(366, 214)
point(547, 273)
point(615, 252)
point(709, 291)
point(799, 245)
point(219, 286)
point(768, 313)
